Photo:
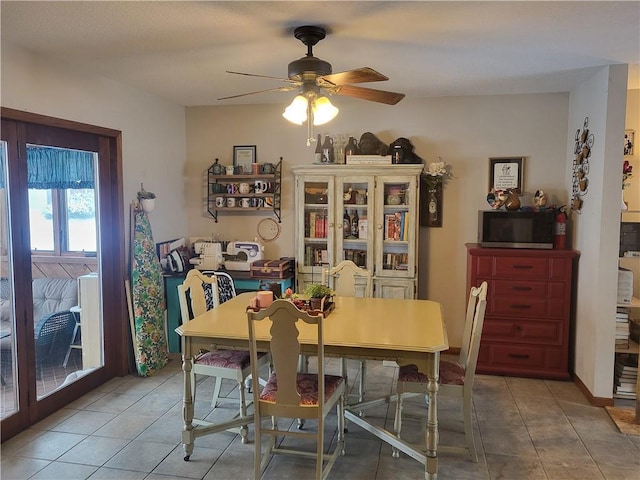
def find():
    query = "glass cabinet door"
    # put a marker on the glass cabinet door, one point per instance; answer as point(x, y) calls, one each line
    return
point(396, 225)
point(354, 206)
point(316, 227)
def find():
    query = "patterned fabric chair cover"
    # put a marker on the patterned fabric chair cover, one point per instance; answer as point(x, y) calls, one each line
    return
point(198, 294)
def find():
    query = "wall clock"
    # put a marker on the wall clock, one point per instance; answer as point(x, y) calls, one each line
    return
point(268, 230)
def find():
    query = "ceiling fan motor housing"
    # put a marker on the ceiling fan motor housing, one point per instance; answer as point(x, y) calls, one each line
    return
point(310, 65)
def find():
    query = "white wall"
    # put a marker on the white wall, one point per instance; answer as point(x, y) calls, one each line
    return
point(153, 129)
point(596, 231)
point(465, 131)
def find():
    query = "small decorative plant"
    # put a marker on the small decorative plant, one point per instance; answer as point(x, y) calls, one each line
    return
point(144, 194)
point(317, 290)
point(319, 295)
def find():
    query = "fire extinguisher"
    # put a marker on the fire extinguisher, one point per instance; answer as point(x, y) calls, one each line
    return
point(560, 230)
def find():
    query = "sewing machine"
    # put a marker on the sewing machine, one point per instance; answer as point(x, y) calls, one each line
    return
point(209, 255)
point(243, 253)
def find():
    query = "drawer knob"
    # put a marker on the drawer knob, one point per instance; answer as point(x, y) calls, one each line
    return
point(520, 306)
point(523, 267)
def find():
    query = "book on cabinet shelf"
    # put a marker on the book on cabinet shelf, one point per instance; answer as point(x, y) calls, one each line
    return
point(626, 375)
point(396, 226)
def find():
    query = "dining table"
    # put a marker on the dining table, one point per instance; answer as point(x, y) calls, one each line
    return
point(401, 330)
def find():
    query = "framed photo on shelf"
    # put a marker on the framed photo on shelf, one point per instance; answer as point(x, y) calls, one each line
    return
point(629, 142)
point(506, 173)
point(244, 156)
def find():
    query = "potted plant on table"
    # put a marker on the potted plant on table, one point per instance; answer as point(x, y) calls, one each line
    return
point(318, 295)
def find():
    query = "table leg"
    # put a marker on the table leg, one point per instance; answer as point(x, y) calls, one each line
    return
point(431, 432)
point(187, 408)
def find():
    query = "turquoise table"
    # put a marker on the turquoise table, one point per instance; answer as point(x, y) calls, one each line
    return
point(242, 282)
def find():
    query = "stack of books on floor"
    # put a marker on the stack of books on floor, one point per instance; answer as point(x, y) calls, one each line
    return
point(626, 376)
point(622, 328)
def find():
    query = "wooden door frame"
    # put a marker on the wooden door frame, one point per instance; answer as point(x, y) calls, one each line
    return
point(113, 267)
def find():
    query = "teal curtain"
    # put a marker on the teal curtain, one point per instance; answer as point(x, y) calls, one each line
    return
point(50, 167)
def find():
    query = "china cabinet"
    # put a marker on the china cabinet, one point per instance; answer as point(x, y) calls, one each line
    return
point(526, 326)
point(364, 213)
point(244, 192)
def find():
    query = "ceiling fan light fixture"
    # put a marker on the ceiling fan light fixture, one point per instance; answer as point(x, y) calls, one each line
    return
point(296, 112)
point(323, 110)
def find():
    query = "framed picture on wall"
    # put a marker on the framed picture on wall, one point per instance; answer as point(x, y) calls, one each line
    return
point(243, 157)
point(629, 142)
point(506, 173)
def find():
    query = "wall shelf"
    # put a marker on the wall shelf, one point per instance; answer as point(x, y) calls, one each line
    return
point(217, 187)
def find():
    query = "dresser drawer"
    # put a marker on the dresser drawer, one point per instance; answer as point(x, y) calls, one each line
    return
point(521, 268)
point(528, 360)
point(534, 299)
point(519, 288)
point(522, 331)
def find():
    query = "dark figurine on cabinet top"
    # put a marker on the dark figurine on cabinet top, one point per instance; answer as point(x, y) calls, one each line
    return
point(402, 151)
point(370, 145)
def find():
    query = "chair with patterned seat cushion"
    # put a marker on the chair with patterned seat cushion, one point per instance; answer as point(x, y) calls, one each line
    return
point(289, 393)
point(455, 377)
point(197, 294)
point(347, 279)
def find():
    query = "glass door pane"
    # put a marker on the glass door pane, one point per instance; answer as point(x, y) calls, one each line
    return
point(397, 224)
point(355, 207)
point(8, 359)
point(317, 234)
point(67, 310)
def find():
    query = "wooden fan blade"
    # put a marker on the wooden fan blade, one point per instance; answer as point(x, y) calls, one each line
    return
point(381, 96)
point(357, 75)
point(262, 76)
point(277, 89)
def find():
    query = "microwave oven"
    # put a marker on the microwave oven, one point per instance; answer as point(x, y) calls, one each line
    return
point(520, 229)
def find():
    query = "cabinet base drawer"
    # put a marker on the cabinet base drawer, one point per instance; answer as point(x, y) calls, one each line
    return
point(522, 360)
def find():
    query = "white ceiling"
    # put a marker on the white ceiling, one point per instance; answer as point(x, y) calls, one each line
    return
point(180, 50)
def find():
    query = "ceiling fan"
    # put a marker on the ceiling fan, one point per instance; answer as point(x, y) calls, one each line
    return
point(312, 76)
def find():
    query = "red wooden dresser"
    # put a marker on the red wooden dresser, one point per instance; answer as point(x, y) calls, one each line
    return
point(526, 326)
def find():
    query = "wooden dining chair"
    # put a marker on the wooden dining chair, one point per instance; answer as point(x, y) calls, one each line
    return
point(455, 377)
point(198, 294)
point(347, 279)
point(289, 393)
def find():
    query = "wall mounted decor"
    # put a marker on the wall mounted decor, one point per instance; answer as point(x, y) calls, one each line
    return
point(582, 151)
point(243, 157)
point(431, 189)
point(629, 142)
point(506, 173)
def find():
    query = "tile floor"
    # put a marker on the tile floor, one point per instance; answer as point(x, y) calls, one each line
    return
point(130, 428)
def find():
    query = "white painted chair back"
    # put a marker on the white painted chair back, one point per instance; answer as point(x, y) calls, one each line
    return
point(348, 280)
point(283, 322)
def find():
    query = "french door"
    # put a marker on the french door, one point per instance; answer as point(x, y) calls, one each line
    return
point(61, 237)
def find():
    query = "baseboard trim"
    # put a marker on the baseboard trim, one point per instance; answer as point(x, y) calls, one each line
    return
point(595, 401)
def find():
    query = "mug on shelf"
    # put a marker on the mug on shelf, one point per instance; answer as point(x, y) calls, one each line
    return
point(232, 188)
point(221, 202)
point(244, 188)
point(245, 202)
point(257, 202)
point(255, 168)
point(218, 188)
point(229, 169)
point(260, 186)
point(231, 202)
